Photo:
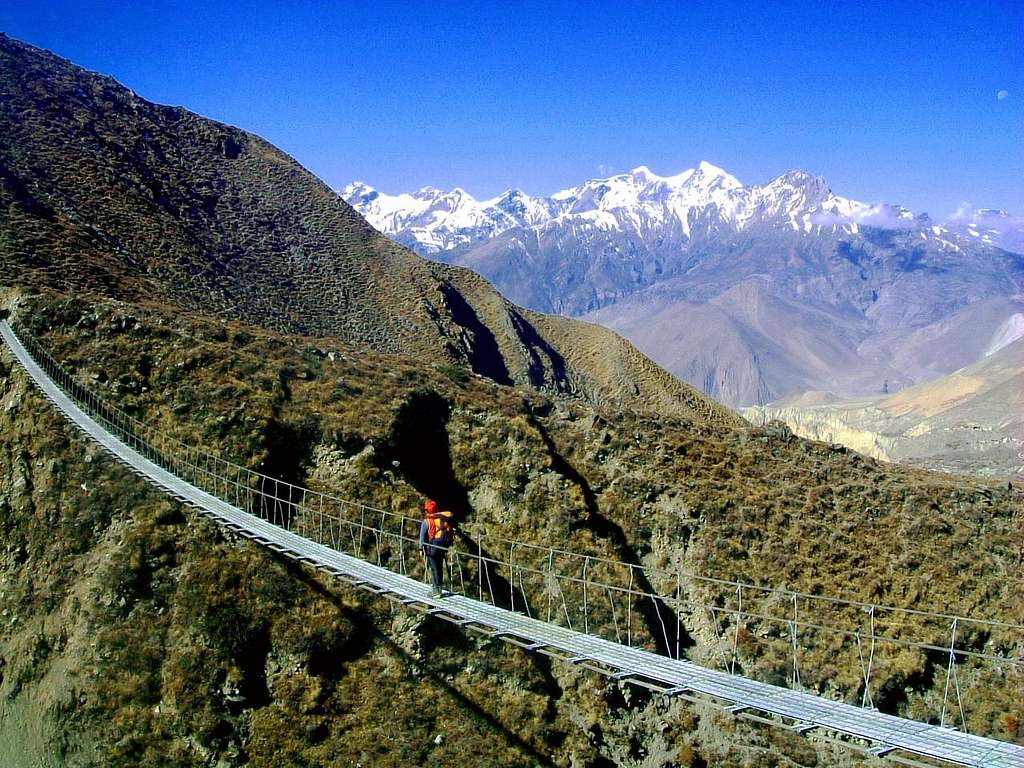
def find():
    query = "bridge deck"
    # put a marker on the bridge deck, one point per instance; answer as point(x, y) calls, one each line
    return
point(888, 732)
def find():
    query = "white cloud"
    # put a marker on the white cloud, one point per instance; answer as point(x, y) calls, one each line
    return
point(963, 212)
point(986, 218)
point(881, 215)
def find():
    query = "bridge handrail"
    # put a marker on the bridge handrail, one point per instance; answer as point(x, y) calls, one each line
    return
point(668, 599)
point(131, 427)
point(732, 689)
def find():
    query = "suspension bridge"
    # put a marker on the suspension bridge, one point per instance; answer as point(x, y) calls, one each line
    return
point(619, 619)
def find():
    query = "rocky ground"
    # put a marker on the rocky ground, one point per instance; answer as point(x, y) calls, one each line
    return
point(969, 422)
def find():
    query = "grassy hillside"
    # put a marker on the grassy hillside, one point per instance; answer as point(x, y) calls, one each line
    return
point(135, 627)
point(105, 193)
point(202, 280)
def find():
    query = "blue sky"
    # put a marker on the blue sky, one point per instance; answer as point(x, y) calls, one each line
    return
point(888, 101)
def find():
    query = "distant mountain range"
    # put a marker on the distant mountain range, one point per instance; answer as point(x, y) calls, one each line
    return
point(752, 293)
point(990, 226)
point(689, 207)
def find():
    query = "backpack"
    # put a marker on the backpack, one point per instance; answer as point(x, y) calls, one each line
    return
point(440, 531)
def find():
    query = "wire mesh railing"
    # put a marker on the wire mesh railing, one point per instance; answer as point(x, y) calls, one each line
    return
point(852, 650)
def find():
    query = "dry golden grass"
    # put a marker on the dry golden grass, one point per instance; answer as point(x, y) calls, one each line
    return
point(205, 647)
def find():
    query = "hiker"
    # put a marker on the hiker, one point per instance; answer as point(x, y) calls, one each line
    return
point(436, 535)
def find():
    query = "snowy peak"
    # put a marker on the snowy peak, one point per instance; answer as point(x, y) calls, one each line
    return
point(357, 193)
point(989, 226)
point(704, 176)
point(792, 199)
point(643, 202)
point(519, 209)
point(432, 220)
point(701, 202)
point(707, 168)
point(710, 176)
point(803, 184)
point(642, 174)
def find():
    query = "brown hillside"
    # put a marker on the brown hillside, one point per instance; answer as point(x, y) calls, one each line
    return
point(140, 630)
point(211, 287)
point(104, 192)
point(970, 422)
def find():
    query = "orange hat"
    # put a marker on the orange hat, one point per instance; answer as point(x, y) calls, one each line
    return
point(430, 507)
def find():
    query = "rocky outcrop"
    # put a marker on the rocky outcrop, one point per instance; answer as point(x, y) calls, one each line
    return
point(830, 425)
point(969, 422)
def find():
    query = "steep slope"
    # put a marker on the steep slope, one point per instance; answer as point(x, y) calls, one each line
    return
point(971, 421)
point(748, 345)
point(138, 634)
point(744, 345)
point(108, 193)
point(867, 287)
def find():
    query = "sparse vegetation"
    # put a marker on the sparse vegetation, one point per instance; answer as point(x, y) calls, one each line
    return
point(207, 648)
point(192, 263)
point(106, 194)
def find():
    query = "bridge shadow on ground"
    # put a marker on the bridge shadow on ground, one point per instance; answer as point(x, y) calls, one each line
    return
point(436, 631)
point(663, 624)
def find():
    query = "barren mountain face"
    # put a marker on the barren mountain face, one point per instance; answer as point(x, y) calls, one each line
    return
point(971, 421)
point(751, 293)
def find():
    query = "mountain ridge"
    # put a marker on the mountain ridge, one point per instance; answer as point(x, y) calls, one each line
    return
point(109, 193)
point(431, 220)
point(659, 259)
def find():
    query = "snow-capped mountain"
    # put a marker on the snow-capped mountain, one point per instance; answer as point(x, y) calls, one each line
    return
point(695, 204)
point(750, 292)
point(432, 220)
point(989, 226)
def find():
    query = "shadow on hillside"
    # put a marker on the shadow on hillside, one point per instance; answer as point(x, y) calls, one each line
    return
point(661, 621)
point(437, 631)
point(535, 344)
point(485, 356)
point(419, 442)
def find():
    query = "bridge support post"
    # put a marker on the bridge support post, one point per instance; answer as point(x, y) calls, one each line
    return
point(951, 675)
point(794, 628)
point(586, 604)
point(679, 612)
point(736, 629)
